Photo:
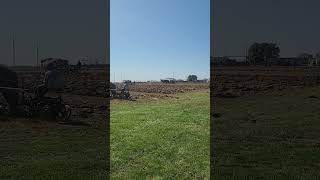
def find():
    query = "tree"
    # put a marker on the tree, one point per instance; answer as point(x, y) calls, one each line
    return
point(262, 52)
point(317, 56)
point(192, 78)
point(306, 57)
point(97, 61)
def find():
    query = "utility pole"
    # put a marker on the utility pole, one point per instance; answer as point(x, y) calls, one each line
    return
point(247, 58)
point(13, 51)
point(37, 49)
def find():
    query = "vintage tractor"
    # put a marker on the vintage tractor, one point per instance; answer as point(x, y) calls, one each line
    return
point(30, 106)
point(117, 93)
point(21, 102)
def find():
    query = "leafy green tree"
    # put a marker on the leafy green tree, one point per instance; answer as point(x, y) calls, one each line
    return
point(306, 57)
point(261, 52)
point(192, 78)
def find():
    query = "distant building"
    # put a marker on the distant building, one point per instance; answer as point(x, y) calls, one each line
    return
point(289, 61)
point(180, 80)
point(57, 62)
point(229, 60)
point(127, 81)
point(243, 60)
point(203, 80)
point(168, 80)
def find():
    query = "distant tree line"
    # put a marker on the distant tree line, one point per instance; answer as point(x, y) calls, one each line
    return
point(192, 78)
point(260, 53)
point(267, 54)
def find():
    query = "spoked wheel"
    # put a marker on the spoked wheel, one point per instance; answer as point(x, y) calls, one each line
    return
point(45, 112)
point(65, 113)
point(126, 95)
point(113, 93)
point(4, 108)
point(28, 111)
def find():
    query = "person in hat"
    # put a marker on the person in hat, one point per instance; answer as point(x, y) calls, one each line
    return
point(53, 81)
point(9, 79)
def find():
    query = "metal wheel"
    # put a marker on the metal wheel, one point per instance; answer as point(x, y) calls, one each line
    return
point(127, 95)
point(4, 109)
point(65, 113)
point(28, 112)
point(45, 112)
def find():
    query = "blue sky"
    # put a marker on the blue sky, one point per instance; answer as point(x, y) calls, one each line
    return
point(69, 29)
point(152, 39)
point(292, 24)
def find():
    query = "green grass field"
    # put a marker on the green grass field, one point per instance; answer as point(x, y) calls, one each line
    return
point(44, 150)
point(165, 139)
point(274, 136)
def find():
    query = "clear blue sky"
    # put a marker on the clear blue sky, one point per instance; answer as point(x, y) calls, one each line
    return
point(152, 39)
point(292, 24)
point(69, 29)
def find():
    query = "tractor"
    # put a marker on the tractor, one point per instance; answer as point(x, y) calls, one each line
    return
point(116, 93)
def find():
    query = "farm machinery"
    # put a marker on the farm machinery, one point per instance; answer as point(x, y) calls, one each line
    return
point(29, 103)
point(30, 106)
point(120, 93)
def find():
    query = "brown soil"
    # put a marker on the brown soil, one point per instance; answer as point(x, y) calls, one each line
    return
point(246, 80)
point(157, 91)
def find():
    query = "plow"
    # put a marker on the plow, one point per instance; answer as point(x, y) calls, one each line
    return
point(117, 93)
point(31, 106)
point(29, 103)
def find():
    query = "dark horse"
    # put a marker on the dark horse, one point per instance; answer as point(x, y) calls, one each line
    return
point(9, 78)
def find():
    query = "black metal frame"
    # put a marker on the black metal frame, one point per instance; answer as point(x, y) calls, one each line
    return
point(35, 104)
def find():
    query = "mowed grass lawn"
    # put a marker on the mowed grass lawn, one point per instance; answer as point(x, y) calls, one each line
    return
point(275, 136)
point(164, 139)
